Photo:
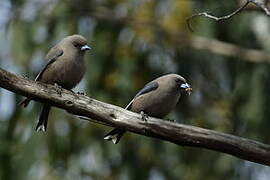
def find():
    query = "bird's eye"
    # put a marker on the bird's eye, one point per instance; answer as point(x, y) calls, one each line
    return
point(178, 80)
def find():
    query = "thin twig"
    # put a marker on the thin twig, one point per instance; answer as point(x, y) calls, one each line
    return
point(208, 15)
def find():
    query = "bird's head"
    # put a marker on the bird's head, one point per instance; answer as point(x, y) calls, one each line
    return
point(79, 42)
point(182, 84)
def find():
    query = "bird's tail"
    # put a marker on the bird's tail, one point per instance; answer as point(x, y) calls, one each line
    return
point(43, 118)
point(25, 102)
point(114, 135)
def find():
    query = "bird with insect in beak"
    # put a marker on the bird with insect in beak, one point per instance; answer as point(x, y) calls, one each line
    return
point(65, 68)
point(158, 98)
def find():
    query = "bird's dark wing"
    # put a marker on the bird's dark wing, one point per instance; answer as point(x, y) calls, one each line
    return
point(151, 86)
point(51, 57)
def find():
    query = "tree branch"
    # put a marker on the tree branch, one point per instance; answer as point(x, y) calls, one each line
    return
point(262, 5)
point(111, 115)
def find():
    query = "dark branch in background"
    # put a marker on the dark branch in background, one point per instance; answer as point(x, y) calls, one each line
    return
point(262, 5)
point(111, 115)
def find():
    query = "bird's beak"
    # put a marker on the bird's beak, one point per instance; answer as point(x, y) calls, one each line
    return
point(187, 88)
point(85, 48)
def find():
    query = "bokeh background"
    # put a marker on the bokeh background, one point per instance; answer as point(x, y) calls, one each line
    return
point(135, 41)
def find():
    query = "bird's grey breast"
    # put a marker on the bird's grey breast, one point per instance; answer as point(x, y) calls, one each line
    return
point(74, 70)
point(70, 67)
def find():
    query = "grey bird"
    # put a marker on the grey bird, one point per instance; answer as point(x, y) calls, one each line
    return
point(65, 68)
point(158, 98)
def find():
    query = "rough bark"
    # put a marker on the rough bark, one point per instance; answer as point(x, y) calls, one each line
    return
point(111, 115)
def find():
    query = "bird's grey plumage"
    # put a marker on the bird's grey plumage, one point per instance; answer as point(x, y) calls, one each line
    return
point(156, 99)
point(65, 67)
point(147, 88)
point(51, 58)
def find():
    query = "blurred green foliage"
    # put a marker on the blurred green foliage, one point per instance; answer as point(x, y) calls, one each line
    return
point(133, 42)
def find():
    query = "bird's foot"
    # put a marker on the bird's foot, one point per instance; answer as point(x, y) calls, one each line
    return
point(172, 120)
point(78, 92)
point(58, 88)
point(25, 76)
point(81, 93)
point(144, 116)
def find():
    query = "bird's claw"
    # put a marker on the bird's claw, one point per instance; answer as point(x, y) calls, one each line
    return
point(25, 76)
point(81, 93)
point(144, 116)
point(58, 88)
point(172, 120)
